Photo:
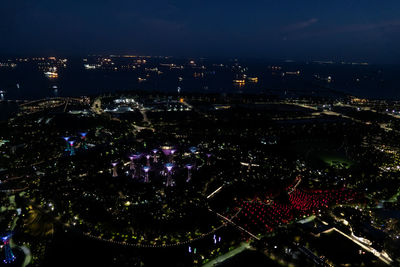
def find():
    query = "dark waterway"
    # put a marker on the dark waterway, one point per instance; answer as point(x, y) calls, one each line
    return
point(26, 81)
point(364, 81)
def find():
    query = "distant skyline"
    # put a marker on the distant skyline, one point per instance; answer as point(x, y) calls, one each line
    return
point(302, 30)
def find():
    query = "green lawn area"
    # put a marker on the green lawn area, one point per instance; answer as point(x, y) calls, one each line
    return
point(335, 159)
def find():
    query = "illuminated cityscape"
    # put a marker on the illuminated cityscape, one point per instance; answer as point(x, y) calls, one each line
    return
point(218, 181)
point(205, 134)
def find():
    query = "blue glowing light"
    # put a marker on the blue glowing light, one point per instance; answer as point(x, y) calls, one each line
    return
point(189, 166)
point(169, 166)
point(146, 169)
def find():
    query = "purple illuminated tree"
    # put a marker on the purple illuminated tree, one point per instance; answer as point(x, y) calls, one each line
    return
point(132, 163)
point(66, 140)
point(189, 168)
point(114, 169)
point(169, 167)
point(172, 155)
point(71, 148)
point(168, 152)
point(9, 256)
point(146, 169)
point(83, 138)
point(148, 160)
point(208, 158)
point(155, 155)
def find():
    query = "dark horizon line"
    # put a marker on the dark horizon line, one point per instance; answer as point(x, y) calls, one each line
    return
point(226, 58)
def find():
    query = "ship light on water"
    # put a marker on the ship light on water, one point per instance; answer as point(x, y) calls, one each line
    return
point(91, 66)
point(239, 82)
point(2, 93)
point(252, 79)
point(51, 73)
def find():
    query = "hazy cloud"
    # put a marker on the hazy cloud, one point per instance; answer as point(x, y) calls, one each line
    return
point(301, 25)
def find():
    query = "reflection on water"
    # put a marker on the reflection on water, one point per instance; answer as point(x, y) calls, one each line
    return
point(55, 90)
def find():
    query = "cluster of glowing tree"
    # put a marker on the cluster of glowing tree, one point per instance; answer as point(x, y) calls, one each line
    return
point(158, 165)
point(74, 143)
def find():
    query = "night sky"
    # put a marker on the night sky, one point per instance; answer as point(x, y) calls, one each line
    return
point(300, 30)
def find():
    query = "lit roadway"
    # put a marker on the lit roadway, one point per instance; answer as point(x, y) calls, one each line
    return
point(326, 112)
point(230, 254)
point(382, 125)
point(234, 224)
point(370, 109)
point(187, 105)
point(332, 113)
point(310, 254)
